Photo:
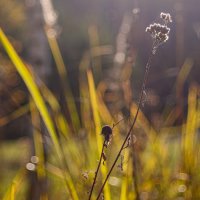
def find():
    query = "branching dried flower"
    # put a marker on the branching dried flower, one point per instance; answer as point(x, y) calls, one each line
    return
point(159, 32)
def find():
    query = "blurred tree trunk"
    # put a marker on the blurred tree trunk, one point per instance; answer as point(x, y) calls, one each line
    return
point(39, 59)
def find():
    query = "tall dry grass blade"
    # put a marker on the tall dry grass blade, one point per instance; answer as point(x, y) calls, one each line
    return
point(190, 129)
point(94, 42)
point(142, 121)
point(34, 91)
point(14, 115)
point(12, 195)
point(85, 107)
point(178, 86)
point(61, 122)
point(86, 113)
point(39, 151)
point(183, 73)
point(15, 185)
point(50, 98)
point(126, 169)
point(95, 110)
point(62, 71)
point(105, 114)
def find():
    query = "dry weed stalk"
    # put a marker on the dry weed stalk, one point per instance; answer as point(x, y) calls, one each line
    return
point(159, 34)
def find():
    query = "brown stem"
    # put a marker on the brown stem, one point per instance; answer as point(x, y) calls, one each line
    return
point(101, 156)
point(134, 172)
point(136, 115)
point(118, 122)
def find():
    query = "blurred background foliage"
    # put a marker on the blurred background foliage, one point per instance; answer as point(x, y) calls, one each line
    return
point(87, 63)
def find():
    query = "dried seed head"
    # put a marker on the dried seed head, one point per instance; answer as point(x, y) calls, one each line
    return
point(106, 132)
point(162, 37)
point(159, 32)
point(166, 17)
point(164, 29)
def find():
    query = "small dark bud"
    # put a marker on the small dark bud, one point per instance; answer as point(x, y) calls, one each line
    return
point(106, 132)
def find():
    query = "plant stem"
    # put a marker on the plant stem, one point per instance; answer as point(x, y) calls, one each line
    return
point(99, 164)
point(134, 171)
point(134, 121)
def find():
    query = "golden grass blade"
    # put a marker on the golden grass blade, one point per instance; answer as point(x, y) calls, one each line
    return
point(14, 115)
point(62, 71)
point(60, 120)
point(15, 185)
point(103, 110)
point(85, 106)
point(39, 151)
point(94, 42)
point(105, 114)
point(49, 97)
point(13, 190)
point(95, 110)
point(34, 91)
point(27, 78)
point(190, 128)
point(179, 84)
point(184, 72)
point(142, 121)
point(124, 186)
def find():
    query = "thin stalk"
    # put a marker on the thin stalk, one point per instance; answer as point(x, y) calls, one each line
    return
point(120, 121)
point(96, 172)
point(134, 121)
point(134, 172)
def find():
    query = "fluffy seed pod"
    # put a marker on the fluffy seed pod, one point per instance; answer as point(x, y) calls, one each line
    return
point(106, 132)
